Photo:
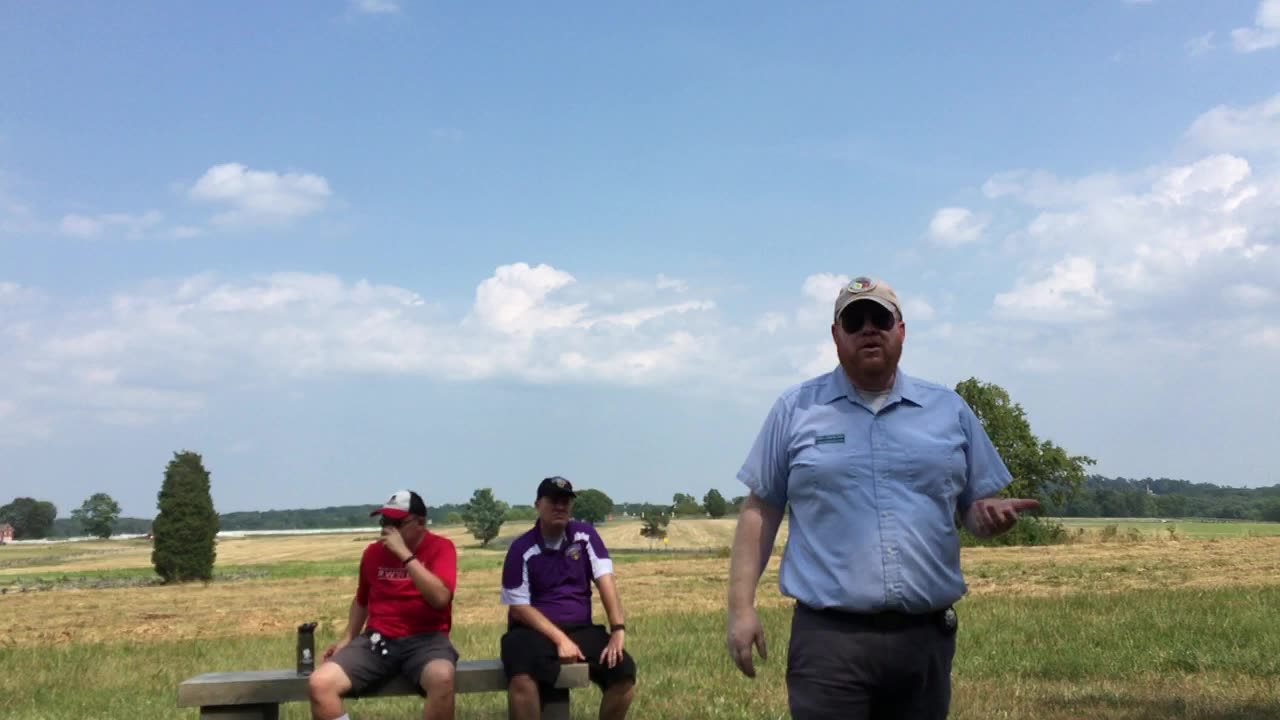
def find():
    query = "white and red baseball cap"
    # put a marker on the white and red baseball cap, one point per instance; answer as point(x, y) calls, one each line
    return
point(402, 504)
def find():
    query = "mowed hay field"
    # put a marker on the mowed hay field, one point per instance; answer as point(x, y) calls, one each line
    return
point(1156, 628)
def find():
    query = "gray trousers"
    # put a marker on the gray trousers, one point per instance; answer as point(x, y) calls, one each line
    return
point(869, 667)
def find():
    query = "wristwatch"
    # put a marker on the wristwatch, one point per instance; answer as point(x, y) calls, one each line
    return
point(616, 628)
point(408, 560)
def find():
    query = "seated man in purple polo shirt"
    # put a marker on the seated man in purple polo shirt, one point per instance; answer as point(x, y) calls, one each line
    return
point(546, 583)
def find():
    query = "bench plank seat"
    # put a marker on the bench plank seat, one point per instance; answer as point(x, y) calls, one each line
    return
point(256, 694)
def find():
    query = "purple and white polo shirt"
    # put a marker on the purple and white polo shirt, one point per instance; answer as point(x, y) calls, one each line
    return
point(556, 580)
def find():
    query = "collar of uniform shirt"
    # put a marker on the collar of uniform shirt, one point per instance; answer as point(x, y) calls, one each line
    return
point(838, 386)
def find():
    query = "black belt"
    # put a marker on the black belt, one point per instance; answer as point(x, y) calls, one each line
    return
point(887, 619)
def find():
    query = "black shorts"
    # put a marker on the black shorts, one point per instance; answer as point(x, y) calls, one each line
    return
point(368, 666)
point(527, 651)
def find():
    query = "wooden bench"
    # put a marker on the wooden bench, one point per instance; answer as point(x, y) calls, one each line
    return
point(256, 695)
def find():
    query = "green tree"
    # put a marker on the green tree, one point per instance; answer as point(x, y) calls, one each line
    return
point(454, 518)
point(1270, 511)
point(186, 527)
point(592, 506)
point(31, 519)
point(1040, 469)
point(713, 502)
point(654, 525)
point(685, 505)
point(522, 513)
point(1173, 506)
point(484, 515)
point(98, 515)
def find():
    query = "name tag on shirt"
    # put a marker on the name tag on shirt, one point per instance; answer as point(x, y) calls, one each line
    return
point(837, 439)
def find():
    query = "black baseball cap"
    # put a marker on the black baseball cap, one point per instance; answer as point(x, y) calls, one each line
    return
point(555, 487)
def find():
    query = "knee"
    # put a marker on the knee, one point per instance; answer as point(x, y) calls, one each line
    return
point(437, 678)
point(624, 689)
point(523, 686)
point(323, 684)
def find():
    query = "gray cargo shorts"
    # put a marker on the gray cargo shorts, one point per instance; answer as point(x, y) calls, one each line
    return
point(370, 661)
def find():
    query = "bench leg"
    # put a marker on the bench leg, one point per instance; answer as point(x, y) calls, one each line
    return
point(555, 704)
point(265, 711)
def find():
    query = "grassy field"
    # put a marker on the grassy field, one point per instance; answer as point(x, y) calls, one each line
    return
point(1147, 629)
point(1184, 528)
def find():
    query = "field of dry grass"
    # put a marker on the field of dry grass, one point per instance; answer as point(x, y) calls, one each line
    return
point(1129, 630)
point(664, 584)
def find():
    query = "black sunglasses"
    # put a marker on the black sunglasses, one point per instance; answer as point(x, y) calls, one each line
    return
point(392, 522)
point(857, 315)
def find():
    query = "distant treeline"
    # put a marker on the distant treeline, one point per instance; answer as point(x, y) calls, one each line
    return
point(1100, 497)
point(1162, 497)
point(342, 516)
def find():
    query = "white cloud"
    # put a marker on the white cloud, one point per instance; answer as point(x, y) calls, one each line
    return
point(771, 322)
point(670, 283)
point(954, 226)
point(1267, 337)
point(1069, 293)
point(15, 217)
point(1137, 236)
point(1246, 129)
point(1265, 32)
point(823, 288)
point(1039, 188)
point(918, 309)
point(1249, 295)
point(131, 226)
point(152, 353)
point(376, 7)
point(260, 196)
point(1201, 45)
point(514, 300)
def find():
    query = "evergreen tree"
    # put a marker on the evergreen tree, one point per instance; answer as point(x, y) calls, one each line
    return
point(186, 527)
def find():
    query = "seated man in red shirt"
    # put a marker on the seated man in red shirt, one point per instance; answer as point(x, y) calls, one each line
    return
point(400, 618)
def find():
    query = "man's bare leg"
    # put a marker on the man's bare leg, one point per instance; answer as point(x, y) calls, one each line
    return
point(523, 700)
point(437, 680)
point(617, 699)
point(325, 688)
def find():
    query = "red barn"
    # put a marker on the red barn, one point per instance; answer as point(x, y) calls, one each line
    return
point(6, 533)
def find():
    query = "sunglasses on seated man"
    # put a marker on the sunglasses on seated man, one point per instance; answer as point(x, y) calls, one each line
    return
point(392, 522)
point(857, 315)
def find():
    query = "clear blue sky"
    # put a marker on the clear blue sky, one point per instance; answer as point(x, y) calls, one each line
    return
point(341, 248)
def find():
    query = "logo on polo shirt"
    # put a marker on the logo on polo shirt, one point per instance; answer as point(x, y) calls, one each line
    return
point(574, 551)
point(393, 573)
point(835, 439)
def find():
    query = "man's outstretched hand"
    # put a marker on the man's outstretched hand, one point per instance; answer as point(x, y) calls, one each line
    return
point(994, 516)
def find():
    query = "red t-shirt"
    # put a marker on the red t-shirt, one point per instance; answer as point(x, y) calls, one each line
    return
point(396, 607)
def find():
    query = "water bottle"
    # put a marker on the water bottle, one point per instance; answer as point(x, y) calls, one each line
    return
point(306, 648)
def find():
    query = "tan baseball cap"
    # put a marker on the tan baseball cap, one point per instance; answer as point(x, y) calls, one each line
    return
point(867, 288)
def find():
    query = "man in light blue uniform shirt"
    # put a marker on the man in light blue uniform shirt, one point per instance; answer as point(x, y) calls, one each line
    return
point(874, 466)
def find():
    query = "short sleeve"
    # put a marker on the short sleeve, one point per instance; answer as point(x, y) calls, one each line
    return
point(515, 577)
point(985, 472)
point(444, 563)
point(766, 468)
point(601, 564)
point(362, 586)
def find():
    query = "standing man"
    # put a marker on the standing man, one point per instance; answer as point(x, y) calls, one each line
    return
point(546, 583)
point(874, 466)
point(400, 617)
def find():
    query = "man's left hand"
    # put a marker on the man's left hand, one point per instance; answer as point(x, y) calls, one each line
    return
point(392, 541)
point(994, 516)
point(612, 654)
